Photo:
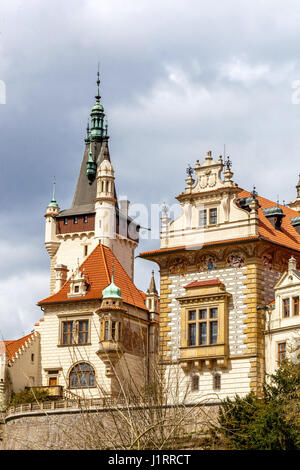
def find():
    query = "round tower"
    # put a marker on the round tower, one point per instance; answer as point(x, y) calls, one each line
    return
point(105, 203)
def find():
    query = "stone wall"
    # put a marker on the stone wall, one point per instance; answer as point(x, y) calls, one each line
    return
point(93, 429)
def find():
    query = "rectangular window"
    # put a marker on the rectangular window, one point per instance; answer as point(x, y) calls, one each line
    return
point(192, 315)
point(65, 221)
point(217, 382)
point(286, 308)
point(192, 334)
point(113, 330)
point(85, 250)
point(67, 332)
point(85, 219)
point(213, 325)
point(106, 331)
point(296, 305)
point(281, 352)
point(195, 383)
point(203, 333)
point(203, 314)
point(75, 220)
point(202, 218)
point(213, 313)
point(213, 216)
point(203, 326)
point(83, 335)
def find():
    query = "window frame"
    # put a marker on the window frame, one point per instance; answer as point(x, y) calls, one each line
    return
point(295, 305)
point(286, 312)
point(201, 298)
point(90, 372)
point(75, 332)
point(202, 324)
point(281, 351)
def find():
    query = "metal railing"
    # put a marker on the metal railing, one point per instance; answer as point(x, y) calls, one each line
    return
point(101, 403)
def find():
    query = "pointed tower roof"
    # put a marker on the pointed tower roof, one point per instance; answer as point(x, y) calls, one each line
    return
point(152, 288)
point(96, 150)
point(53, 202)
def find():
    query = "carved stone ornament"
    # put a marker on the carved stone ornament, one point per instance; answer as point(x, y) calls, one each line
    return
point(236, 260)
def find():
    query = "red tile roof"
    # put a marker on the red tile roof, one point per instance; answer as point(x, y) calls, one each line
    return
point(12, 347)
point(210, 282)
point(98, 270)
point(287, 236)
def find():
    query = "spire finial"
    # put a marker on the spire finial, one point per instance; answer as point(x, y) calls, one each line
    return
point(98, 84)
point(53, 202)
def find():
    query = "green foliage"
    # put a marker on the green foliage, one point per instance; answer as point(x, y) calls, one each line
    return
point(268, 423)
point(29, 396)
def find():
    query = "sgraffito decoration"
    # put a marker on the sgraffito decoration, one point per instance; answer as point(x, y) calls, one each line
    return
point(178, 266)
point(236, 260)
point(206, 263)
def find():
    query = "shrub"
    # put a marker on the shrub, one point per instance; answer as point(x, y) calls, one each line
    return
point(29, 396)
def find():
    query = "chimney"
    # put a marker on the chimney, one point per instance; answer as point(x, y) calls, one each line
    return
point(274, 215)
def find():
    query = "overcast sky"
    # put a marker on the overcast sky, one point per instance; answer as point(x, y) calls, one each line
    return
point(177, 79)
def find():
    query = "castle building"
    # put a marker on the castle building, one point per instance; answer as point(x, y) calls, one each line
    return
point(98, 329)
point(220, 262)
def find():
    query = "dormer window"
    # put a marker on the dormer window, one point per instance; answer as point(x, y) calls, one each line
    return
point(213, 216)
point(76, 289)
point(208, 217)
point(296, 305)
point(202, 218)
point(286, 307)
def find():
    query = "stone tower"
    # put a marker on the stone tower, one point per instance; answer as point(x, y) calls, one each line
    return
point(95, 216)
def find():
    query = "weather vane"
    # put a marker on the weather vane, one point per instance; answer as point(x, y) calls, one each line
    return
point(254, 192)
point(228, 163)
point(189, 170)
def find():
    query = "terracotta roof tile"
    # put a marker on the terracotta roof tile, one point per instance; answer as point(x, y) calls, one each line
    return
point(98, 269)
point(210, 282)
point(12, 347)
point(287, 236)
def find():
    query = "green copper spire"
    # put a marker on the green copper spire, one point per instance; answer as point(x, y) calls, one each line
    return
point(112, 291)
point(91, 166)
point(97, 116)
point(53, 202)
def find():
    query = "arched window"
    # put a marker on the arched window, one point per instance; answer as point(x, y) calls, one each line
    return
point(82, 376)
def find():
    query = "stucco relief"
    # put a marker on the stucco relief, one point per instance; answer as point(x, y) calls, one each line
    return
point(236, 259)
point(206, 263)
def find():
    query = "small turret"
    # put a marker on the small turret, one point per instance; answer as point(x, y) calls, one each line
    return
point(51, 241)
point(105, 205)
point(111, 319)
point(52, 211)
point(152, 299)
point(296, 203)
